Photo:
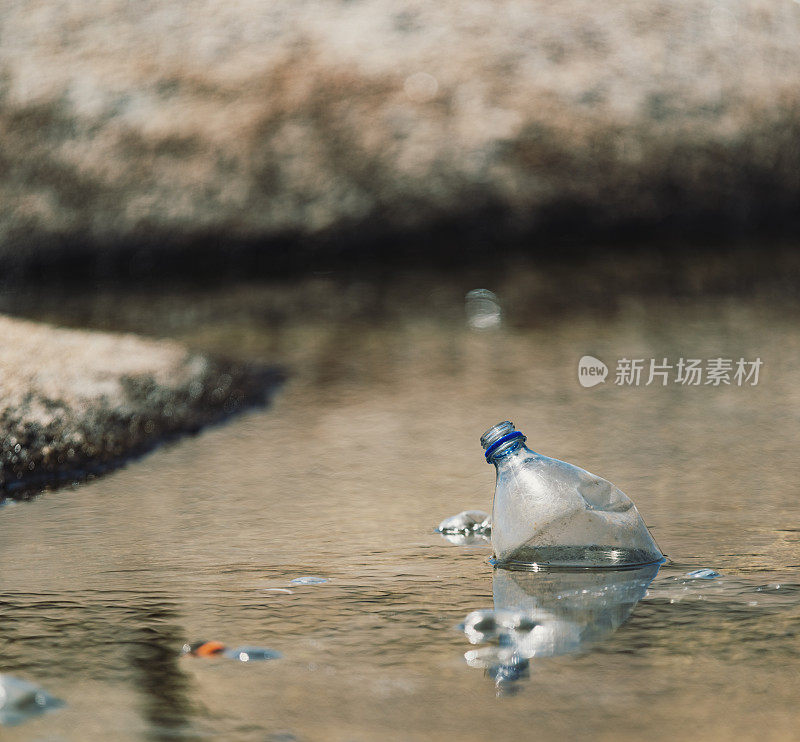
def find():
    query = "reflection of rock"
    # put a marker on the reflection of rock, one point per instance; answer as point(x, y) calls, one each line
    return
point(21, 700)
point(543, 614)
point(144, 126)
point(76, 402)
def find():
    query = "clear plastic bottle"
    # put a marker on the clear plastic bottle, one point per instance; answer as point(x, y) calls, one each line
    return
point(548, 513)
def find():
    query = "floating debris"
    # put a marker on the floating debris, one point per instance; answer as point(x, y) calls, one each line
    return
point(203, 649)
point(703, 574)
point(310, 580)
point(483, 309)
point(252, 654)
point(218, 649)
point(21, 700)
point(276, 590)
point(468, 521)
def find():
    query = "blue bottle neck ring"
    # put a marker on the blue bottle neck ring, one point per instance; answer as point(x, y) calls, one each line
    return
point(501, 442)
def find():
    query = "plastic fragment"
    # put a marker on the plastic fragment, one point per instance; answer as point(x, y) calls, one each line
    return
point(702, 574)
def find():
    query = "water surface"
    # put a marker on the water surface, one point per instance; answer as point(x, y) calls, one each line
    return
point(373, 441)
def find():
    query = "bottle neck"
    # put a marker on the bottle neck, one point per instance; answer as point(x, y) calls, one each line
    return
point(506, 451)
point(501, 441)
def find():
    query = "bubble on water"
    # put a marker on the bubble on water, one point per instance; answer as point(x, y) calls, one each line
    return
point(702, 574)
point(276, 590)
point(310, 580)
point(467, 521)
point(21, 700)
point(483, 309)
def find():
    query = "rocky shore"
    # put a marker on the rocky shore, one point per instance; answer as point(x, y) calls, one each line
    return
point(134, 130)
point(75, 402)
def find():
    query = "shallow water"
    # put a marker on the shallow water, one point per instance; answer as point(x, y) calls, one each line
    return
point(373, 441)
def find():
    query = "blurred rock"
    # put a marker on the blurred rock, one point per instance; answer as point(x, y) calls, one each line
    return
point(75, 402)
point(130, 129)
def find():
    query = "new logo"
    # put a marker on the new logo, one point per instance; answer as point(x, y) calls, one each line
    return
point(591, 371)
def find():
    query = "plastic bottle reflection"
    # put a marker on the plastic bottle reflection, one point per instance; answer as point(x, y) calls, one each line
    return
point(544, 614)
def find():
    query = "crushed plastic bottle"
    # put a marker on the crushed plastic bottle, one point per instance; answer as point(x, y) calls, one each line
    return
point(21, 700)
point(548, 513)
